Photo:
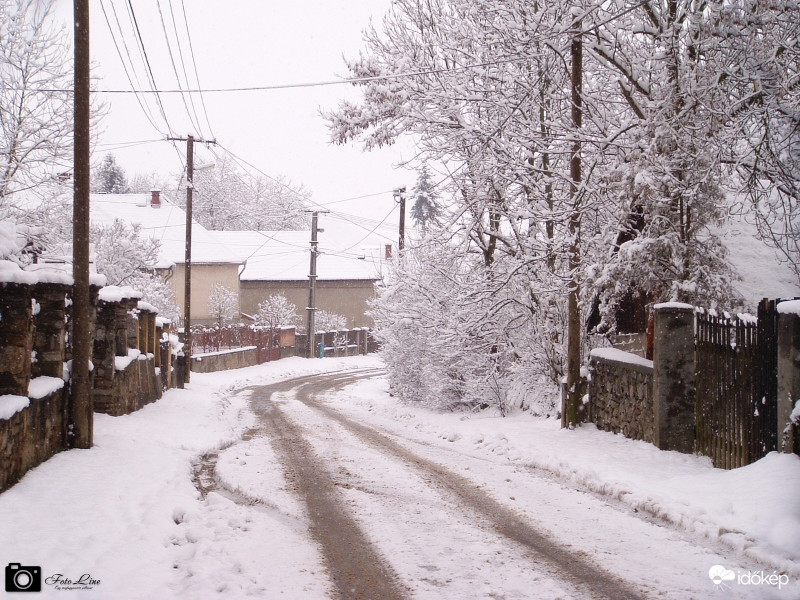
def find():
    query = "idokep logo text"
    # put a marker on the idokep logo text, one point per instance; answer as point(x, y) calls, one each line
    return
point(723, 577)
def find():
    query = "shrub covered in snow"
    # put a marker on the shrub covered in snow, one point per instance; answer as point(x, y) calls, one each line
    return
point(456, 333)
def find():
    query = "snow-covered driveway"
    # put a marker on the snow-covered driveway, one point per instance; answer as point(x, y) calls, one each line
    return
point(305, 480)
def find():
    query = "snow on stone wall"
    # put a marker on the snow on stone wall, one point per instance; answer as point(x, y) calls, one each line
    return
point(621, 393)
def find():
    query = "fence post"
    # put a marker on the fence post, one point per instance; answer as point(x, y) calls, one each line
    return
point(788, 370)
point(674, 377)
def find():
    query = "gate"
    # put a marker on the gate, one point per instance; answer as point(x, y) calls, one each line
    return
point(736, 378)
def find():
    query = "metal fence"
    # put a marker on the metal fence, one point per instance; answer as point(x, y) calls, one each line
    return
point(215, 339)
point(736, 379)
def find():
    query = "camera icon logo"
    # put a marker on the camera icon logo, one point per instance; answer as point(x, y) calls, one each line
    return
point(23, 579)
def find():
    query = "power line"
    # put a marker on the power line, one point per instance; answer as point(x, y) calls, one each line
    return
point(146, 111)
point(189, 112)
point(120, 145)
point(151, 77)
point(345, 81)
point(194, 63)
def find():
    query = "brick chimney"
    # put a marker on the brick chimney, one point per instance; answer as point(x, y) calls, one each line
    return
point(155, 199)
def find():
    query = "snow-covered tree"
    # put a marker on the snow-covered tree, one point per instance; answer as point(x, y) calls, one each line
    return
point(502, 126)
point(157, 292)
point(126, 255)
point(585, 144)
point(762, 58)
point(425, 210)
point(122, 251)
point(35, 98)
point(109, 177)
point(226, 198)
point(144, 183)
point(329, 321)
point(276, 311)
point(223, 304)
point(451, 336)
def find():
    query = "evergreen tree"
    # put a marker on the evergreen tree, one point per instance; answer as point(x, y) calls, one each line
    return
point(110, 177)
point(425, 210)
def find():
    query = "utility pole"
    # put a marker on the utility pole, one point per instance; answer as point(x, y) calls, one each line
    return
point(573, 396)
point(400, 194)
point(81, 404)
point(312, 285)
point(187, 284)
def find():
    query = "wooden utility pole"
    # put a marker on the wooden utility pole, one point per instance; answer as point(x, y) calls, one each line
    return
point(81, 404)
point(187, 283)
point(400, 194)
point(312, 285)
point(574, 400)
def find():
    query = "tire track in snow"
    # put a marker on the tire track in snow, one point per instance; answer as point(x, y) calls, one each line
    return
point(571, 566)
point(505, 521)
point(356, 569)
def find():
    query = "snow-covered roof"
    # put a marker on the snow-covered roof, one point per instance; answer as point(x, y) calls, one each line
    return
point(284, 256)
point(763, 274)
point(167, 224)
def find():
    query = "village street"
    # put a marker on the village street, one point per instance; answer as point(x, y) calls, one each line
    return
point(392, 516)
point(305, 479)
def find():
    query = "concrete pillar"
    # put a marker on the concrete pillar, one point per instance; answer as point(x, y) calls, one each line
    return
point(788, 370)
point(674, 377)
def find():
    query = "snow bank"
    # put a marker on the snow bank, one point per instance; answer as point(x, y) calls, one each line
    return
point(130, 505)
point(754, 509)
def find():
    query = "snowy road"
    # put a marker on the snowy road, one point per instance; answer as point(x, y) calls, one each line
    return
point(374, 511)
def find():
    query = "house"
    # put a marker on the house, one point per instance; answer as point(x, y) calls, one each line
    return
point(212, 260)
point(257, 264)
point(278, 262)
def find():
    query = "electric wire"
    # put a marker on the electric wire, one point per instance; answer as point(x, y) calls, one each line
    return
point(183, 62)
point(175, 69)
point(147, 113)
point(194, 64)
point(151, 77)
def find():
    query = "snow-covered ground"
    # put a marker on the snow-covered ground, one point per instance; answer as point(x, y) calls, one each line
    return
point(127, 514)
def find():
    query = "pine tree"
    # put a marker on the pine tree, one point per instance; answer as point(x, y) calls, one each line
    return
point(425, 210)
point(110, 177)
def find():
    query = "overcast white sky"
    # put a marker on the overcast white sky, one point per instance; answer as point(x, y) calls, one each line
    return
point(238, 44)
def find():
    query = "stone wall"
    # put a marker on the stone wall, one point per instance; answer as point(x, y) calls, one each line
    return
point(125, 328)
point(621, 394)
point(134, 387)
point(16, 338)
point(31, 436)
point(227, 359)
point(34, 345)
